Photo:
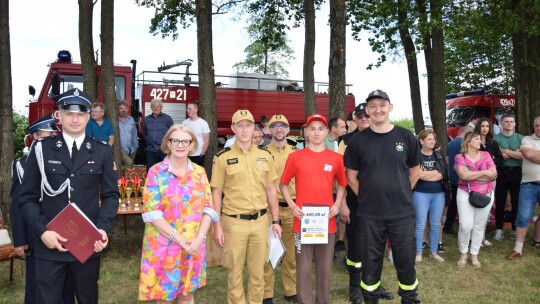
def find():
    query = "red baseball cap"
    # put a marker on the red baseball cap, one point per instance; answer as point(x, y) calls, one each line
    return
point(317, 117)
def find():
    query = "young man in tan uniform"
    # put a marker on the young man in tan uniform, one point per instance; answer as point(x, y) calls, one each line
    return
point(280, 149)
point(243, 177)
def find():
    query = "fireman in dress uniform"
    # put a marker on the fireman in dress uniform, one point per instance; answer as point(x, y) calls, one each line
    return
point(280, 149)
point(68, 168)
point(243, 177)
point(23, 238)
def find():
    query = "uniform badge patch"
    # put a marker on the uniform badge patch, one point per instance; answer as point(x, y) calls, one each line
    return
point(232, 161)
point(399, 147)
point(88, 145)
point(59, 144)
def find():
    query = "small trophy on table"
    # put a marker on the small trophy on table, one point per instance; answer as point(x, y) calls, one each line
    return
point(122, 189)
point(136, 187)
point(129, 190)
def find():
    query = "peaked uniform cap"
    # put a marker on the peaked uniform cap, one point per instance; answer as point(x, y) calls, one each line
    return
point(360, 109)
point(279, 118)
point(74, 100)
point(242, 115)
point(45, 123)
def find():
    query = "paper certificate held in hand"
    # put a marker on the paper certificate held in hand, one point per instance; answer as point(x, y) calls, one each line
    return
point(314, 226)
point(277, 249)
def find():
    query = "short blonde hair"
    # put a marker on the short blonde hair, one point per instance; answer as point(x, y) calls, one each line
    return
point(467, 137)
point(181, 128)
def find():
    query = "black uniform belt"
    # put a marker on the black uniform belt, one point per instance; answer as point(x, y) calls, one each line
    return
point(248, 217)
point(283, 204)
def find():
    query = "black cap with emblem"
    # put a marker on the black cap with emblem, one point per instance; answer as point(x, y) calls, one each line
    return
point(74, 100)
point(377, 94)
point(360, 109)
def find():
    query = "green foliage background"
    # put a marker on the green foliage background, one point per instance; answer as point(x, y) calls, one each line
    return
point(406, 123)
point(20, 122)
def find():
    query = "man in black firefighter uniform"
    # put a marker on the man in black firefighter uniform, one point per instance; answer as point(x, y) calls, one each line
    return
point(68, 168)
point(348, 215)
point(383, 165)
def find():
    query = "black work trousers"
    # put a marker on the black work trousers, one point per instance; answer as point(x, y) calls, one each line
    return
point(508, 179)
point(373, 235)
point(353, 247)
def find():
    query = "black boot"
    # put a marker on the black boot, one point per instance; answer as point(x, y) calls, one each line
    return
point(355, 295)
point(368, 300)
point(410, 300)
point(385, 294)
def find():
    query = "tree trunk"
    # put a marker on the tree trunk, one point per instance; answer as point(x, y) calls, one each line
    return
point(412, 65)
point(107, 77)
point(437, 64)
point(309, 59)
point(426, 38)
point(336, 65)
point(207, 90)
point(86, 48)
point(6, 111)
point(526, 55)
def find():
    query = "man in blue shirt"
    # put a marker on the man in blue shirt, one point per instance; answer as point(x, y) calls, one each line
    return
point(155, 126)
point(128, 134)
point(100, 127)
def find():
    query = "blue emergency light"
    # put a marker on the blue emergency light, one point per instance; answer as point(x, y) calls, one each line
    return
point(64, 56)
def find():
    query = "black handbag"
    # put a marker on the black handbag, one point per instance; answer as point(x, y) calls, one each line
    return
point(478, 200)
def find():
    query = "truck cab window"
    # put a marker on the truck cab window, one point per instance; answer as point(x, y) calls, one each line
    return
point(68, 82)
point(459, 116)
point(120, 87)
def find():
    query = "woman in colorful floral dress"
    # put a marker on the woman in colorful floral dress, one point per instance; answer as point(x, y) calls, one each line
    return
point(178, 213)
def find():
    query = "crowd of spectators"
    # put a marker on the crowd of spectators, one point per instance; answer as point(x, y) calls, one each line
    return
point(484, 158)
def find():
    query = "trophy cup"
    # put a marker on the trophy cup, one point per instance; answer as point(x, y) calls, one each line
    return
point(122, 190)
point(136, 188)
point(129, 191)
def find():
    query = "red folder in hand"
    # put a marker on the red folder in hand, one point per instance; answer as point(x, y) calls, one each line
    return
point(81, 234)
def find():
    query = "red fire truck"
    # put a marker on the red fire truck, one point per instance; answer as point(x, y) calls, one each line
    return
point(460, 107)
point(261, 94)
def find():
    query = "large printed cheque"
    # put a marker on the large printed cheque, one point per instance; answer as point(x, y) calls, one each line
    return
point(314, 227)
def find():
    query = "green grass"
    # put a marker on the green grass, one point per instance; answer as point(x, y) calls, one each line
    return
point(498, 281)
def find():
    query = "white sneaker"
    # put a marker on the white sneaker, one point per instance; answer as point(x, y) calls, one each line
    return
point(418, 258)
point(486, 243)
point(499, 235)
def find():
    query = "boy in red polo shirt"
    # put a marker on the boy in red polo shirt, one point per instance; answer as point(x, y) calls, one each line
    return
point(315, 170)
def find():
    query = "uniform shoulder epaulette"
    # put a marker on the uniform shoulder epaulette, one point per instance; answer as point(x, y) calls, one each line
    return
point(223, 151)
point(264, 149)
point(100, 141)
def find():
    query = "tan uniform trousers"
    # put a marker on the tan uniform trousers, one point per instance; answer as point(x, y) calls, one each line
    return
point(288, 264)
point(245, 239)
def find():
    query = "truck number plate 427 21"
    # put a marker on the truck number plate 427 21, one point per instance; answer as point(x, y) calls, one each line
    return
point(168, 94)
